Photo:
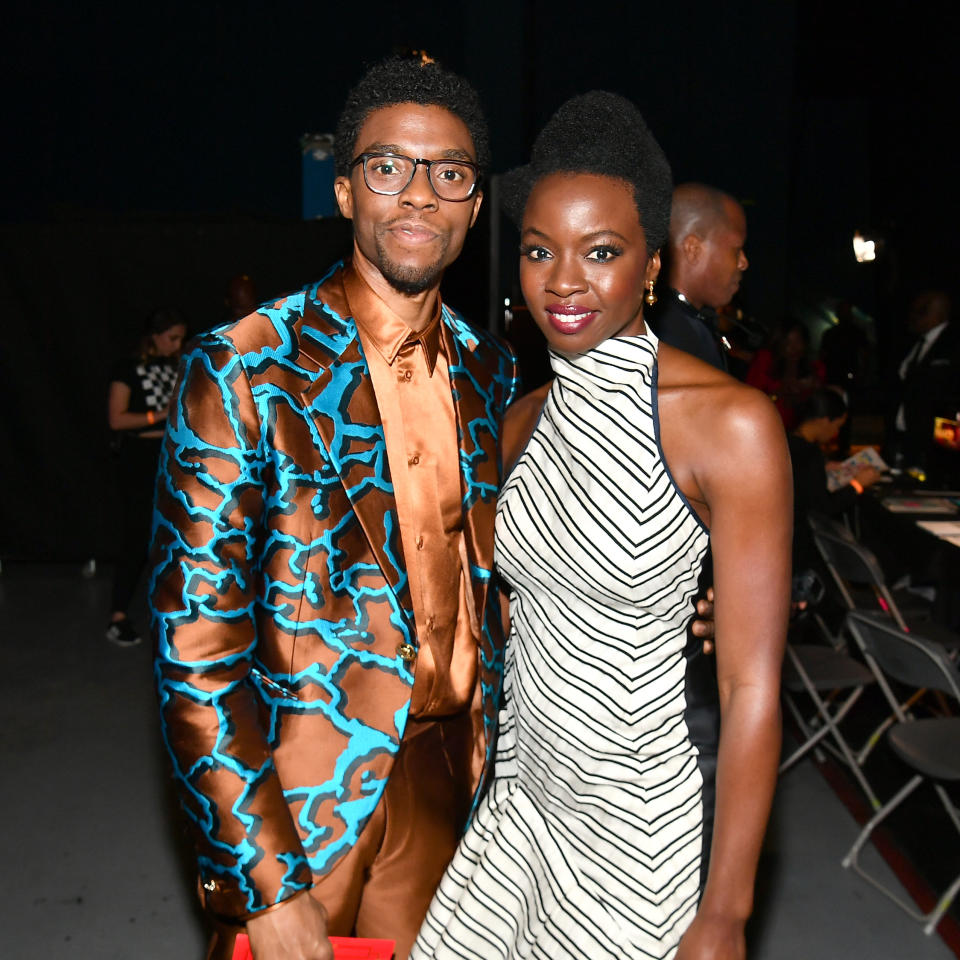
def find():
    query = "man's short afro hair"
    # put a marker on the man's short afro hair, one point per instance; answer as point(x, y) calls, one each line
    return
point(602, 133)
point(409, 80)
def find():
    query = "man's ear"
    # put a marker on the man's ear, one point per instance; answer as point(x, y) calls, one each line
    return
point(691, 248)
point(343, 190)
point(477, 201)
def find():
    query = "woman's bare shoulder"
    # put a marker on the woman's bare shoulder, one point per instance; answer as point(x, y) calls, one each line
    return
point(519, 423)
point(708, 401)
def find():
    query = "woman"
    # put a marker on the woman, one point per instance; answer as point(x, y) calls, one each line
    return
point(592, 841)
point(786, 373)
point(140, 391)
point(820, 418)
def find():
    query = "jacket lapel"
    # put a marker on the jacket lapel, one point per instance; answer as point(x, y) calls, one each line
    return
point(341, 403)
point(478, 452)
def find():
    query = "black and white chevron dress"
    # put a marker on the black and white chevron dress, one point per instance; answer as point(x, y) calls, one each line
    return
point(590, 842)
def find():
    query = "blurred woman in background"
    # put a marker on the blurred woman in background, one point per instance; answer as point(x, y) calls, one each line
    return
point(140, 390)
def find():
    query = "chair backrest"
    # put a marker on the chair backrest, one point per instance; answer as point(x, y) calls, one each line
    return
point(848, 559)
point(821, 523)
point(907, 657)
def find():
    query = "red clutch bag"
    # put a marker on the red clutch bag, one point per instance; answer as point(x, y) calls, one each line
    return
point(344, 948)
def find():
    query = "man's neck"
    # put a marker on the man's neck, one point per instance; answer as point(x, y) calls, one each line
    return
point(685, 298)
point(679, 288)
point(416, 310)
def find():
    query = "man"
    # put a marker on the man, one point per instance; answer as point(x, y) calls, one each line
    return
point(329, 637)
point(708, 231)
point(929, 377)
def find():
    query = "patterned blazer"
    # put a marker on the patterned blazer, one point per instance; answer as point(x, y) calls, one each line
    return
point(279, 590)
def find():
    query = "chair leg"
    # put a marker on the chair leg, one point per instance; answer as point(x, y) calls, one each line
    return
point(877, 734)
point(943, 904)
point(814, 738)
point(852, 859)
point(831, 721)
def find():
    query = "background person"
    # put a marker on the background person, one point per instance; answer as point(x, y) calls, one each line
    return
point(929, 380)
point(137, 405)
point(708, 233)
point(820, 419)
point(786, 372)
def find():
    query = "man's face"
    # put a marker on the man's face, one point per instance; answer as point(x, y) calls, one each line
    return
point(715, 276)
point(410, 238)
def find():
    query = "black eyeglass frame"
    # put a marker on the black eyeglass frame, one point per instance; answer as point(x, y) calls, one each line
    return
point(417, 161)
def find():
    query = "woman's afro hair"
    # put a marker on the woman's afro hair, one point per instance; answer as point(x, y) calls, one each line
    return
point(409, 80)
point(601, 133)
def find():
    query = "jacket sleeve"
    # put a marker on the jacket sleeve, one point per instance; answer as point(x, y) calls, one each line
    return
point(513, 380)
point(208, 526)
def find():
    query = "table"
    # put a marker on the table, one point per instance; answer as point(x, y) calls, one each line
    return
point(889, 523)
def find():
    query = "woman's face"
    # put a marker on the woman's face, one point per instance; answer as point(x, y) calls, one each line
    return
point(167, 343)
point(833, 428)
point(583, 260)
point(794, 344)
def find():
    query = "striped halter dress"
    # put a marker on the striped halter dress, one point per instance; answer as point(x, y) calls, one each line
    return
point(591, 841)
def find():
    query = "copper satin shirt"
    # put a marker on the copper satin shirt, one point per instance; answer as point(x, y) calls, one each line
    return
point(412, 385)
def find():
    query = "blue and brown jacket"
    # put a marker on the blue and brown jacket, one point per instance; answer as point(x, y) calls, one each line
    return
point(279, 589)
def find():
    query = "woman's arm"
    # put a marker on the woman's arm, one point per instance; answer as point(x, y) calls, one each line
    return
point(744, 475)
point(118, 413)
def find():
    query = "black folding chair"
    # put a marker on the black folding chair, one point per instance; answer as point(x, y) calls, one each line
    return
point(853, 566)
point(814, 670)
point(930, 746)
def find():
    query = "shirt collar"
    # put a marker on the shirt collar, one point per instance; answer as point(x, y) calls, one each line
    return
point(933, 333)
point(382, 327)
point(705, 313)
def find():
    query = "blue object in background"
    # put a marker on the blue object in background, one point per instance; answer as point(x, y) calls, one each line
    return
point(316, 151)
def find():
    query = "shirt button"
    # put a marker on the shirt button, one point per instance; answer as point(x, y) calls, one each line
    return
point(414, 460)
point(419, 543)
point(406, 375)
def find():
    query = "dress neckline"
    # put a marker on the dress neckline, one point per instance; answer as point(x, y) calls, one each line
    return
point(606, 364)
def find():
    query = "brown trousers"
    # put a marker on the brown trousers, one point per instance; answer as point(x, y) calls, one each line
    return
point(383, 886)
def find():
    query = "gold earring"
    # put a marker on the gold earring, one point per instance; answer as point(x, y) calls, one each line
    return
point(650, 297)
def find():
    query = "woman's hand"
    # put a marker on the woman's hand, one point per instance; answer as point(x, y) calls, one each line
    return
point(713, 938)
point(867, 476)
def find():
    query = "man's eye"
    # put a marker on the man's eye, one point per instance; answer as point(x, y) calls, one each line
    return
point(449, 174)
point(603, 254)
point(385, 168)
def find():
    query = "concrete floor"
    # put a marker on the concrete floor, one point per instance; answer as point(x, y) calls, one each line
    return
point(97, 866)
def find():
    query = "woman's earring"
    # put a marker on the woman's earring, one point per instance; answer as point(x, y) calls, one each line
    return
point(650, 297)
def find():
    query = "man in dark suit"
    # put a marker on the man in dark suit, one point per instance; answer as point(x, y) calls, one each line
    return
point(708, 232)
point(929, 377)
point(328, 629)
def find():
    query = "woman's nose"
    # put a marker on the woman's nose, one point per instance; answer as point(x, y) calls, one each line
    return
point(566, 277)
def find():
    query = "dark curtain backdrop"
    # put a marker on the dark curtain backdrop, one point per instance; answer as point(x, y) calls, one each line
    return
point(152, 153)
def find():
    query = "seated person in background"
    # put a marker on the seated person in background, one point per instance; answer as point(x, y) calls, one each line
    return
point(820, 418)
point(785, 372)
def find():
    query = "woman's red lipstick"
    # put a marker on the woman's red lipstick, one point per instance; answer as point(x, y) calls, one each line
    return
point(569, 318)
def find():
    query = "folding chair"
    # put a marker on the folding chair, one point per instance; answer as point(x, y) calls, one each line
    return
point(813, 669)
point(930, 746)
point(863, 586)
point(851, 564)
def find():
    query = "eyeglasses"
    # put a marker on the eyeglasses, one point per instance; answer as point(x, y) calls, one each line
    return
point(391, 173)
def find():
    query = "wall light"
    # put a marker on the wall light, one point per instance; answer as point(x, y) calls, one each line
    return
point(864, 249)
